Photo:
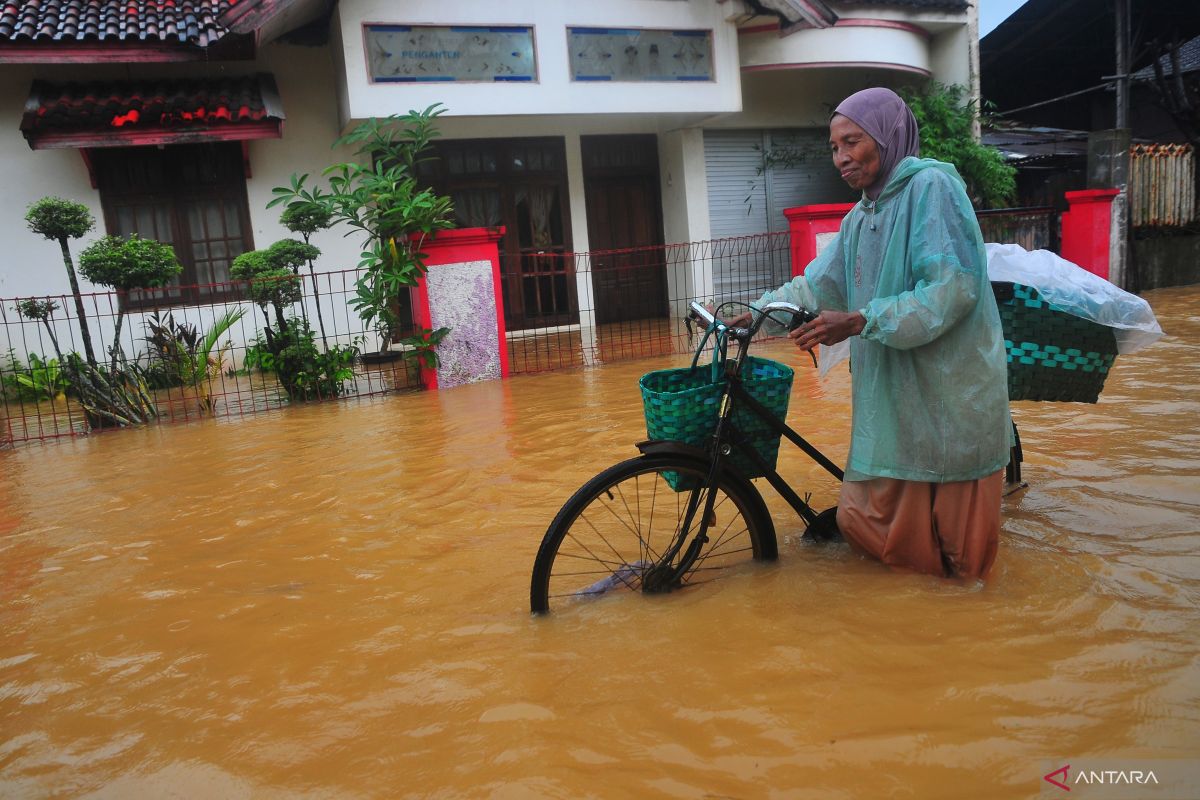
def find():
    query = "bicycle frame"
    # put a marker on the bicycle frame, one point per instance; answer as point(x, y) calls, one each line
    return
point(726, 438)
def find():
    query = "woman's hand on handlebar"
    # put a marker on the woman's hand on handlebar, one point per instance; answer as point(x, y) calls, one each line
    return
point(830, 327)
point(742, 320)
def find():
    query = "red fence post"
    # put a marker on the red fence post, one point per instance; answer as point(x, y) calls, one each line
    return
point(1087, 229)
point(461, 290)
point(806, 224)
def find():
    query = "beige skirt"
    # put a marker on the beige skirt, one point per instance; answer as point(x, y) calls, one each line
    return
point(947, 529)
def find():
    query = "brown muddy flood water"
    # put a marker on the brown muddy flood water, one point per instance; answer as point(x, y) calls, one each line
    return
point(332, 602)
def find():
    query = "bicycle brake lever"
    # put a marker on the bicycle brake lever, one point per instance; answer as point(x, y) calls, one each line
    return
point(799, 318)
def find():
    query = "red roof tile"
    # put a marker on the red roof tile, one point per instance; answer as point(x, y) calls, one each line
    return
point(166, 108)
point(150, 21)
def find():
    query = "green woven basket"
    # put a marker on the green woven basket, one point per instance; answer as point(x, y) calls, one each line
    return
point(681, 405)
point(1052, 355)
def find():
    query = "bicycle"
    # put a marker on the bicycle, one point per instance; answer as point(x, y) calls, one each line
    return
point(678, 496)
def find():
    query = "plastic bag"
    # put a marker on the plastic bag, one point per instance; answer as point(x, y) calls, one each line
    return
point(1077, 291)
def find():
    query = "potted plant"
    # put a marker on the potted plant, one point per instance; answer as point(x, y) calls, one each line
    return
point(381, 197)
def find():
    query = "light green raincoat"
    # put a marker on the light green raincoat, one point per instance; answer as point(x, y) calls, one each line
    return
point(929, 369)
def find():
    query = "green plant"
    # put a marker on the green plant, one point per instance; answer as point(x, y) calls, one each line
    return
point(206, 360)
point(41, 311)
point(257, 354)
point(291, 254)
point(423, 347)
point(948, 134)
point(126, 264)
point(380, 197)
point(269, 284)
point(119, 396)
point(171, 344)
point(59, 220)
point(306, 217)
point(43, 378)
point(304, 372)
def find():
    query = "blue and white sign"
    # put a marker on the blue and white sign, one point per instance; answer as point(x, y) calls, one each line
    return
point(430, 53)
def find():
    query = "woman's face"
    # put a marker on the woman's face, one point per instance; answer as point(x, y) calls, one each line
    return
point(855, 154)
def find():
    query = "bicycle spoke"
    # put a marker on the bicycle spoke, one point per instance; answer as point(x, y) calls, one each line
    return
point(608, 538)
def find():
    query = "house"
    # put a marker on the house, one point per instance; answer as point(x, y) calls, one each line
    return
point(576, 126)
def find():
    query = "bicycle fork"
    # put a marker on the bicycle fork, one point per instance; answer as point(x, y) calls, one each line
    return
point(663, 576)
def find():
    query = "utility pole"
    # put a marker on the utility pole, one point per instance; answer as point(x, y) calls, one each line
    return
point(1122, 271)
point(1122, 14)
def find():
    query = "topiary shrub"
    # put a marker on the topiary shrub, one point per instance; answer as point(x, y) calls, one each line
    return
point(125, 264)
point(61, 220)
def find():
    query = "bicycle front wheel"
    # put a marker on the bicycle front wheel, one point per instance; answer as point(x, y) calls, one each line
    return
point(623, 523)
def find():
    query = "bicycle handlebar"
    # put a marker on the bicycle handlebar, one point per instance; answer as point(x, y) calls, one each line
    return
point(799, 314)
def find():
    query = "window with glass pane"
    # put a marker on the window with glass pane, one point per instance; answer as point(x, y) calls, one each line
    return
point(192, 197)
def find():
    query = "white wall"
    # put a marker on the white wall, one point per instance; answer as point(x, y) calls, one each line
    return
point(554, 92)
point(32, 266)
point(853, 46)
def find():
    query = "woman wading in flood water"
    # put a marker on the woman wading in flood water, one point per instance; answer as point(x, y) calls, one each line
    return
point(905, 280)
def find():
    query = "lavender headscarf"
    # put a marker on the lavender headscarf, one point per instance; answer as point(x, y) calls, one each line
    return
point(888, 120)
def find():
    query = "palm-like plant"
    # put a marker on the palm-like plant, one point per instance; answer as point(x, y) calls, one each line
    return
point(198, 368)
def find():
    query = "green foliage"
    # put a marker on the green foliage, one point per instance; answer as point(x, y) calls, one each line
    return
point(291, 254)
point(43, 378)
point(58, 219)
point(258, 354)
point(306, 218)
point(40, 311)
point(181, 356)
point(172, 345)
point(129, 263)
point(423, 346)
point(114, 397)
point(34, 309)
point(947, 134)
point(381, 197)
point(250, 264)
point(277, 287)
point(269, 284)
point(304, 372)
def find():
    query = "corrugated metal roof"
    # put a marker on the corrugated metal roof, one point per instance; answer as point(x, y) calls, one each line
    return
point(1189, 61)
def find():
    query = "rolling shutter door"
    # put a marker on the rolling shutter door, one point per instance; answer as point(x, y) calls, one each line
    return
point(811, 179)
point(737, 207)
point(742, 202)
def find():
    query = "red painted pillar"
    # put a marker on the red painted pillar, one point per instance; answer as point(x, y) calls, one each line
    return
point(1087, 229)
point(465, 291)
point(806, 223)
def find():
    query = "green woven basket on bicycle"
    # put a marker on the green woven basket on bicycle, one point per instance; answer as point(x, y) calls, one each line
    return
point(681, 405)
point(1052, 354)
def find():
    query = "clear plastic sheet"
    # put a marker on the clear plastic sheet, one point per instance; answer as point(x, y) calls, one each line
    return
point(1077, 291)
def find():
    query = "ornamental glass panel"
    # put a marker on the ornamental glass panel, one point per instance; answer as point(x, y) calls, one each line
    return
point(431, 53)
point(640, 55)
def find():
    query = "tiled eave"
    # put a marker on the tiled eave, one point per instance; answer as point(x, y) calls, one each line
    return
point(230, 48)
point(129, 113)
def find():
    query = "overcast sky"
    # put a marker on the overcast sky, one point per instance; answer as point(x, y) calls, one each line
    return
point(993, 12)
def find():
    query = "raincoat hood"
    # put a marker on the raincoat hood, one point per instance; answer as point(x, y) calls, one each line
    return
point(907, 169)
